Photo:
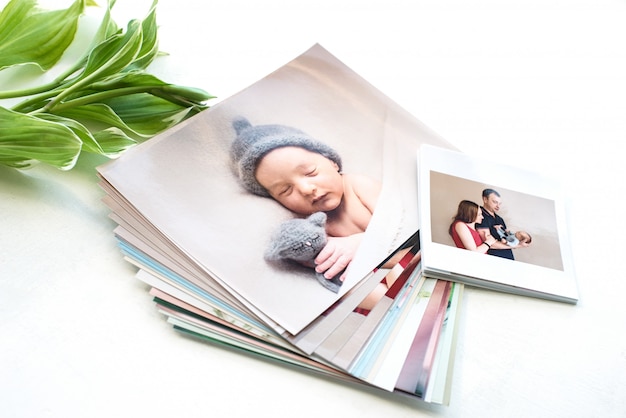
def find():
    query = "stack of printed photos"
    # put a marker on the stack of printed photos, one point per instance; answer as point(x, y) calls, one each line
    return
point(516, 216)
point(311, 220)
point(283, 221)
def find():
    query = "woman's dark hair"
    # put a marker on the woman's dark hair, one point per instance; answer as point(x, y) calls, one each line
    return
point(466, 212)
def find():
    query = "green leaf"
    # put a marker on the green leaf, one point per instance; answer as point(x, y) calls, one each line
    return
point(99, 113)
point(114, 53)
point(113, 141)
point(89, 142)
point(147, 114)
point(107, 27)
point(109, 57)
point(109, 142)
point(126, 79)
point(184, 96)
point(149, 45)
point(31, 36)
point(24, 139)
point(181, 95)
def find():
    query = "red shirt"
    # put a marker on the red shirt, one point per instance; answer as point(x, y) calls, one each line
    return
point(457, 240)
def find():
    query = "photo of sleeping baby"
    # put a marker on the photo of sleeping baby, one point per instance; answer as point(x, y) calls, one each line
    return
point(331, 208)
point(305, 176)
point(330, 157)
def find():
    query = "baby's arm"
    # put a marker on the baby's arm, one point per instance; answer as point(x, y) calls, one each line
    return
point(339, 251)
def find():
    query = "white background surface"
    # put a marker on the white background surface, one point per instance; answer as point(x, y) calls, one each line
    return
point(541, 84)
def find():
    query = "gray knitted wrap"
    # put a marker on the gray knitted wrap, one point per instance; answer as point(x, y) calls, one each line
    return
point(254, 142)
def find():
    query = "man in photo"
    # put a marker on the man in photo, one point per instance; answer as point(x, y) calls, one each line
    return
point(492, 223)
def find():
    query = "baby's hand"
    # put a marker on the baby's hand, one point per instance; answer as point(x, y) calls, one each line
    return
point(336, 255)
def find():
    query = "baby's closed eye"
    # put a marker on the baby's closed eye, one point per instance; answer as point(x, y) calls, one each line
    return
point(284, 190)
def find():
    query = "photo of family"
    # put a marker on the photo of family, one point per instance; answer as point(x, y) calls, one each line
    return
point(493, 225)
point(498, 222)
point(485, 227)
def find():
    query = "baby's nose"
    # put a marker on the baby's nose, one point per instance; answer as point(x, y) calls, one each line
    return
point(307, 187)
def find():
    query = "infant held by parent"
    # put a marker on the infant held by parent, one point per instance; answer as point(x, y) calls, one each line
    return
point(493, 224)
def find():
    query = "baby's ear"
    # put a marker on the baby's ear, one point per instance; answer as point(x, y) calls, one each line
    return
point(318, 218)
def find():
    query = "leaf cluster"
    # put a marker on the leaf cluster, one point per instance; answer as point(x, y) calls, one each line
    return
point(104, 103)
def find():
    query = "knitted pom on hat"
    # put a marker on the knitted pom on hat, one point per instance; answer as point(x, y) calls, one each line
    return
point(254, 142)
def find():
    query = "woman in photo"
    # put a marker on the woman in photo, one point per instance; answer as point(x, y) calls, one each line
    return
point(463, 228)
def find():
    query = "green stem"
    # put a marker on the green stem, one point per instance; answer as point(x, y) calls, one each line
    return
point(53, 85)
point(80, 64)
point(25, 104)
point(95, 98)
point(11, 94)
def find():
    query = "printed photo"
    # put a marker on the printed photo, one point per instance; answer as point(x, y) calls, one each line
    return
point(495, 221)
point(288, 193)
point(493, 225)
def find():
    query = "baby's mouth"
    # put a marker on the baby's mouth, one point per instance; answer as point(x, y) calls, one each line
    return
point(317, 199)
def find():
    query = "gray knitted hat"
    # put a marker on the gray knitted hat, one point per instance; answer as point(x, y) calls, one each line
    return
point(254, 142)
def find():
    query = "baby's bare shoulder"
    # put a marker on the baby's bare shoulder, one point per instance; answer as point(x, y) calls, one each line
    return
point(365, 188)
point(360, 182)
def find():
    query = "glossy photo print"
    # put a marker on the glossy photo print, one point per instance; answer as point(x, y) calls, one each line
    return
point(288, 193)
point(515, 226)
point(493, 225)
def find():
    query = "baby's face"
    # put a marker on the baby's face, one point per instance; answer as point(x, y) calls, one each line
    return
point(522, 236)
point(302, 181)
